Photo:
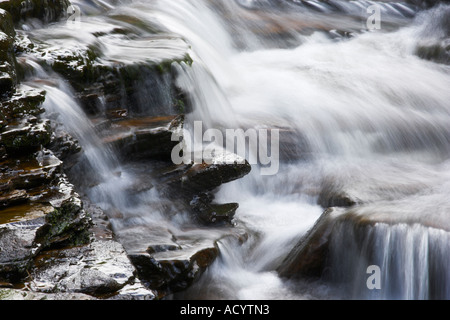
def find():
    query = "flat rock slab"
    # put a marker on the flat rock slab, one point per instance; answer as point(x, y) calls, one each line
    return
point(145, 138)
point(102, 267)
point(174, 270)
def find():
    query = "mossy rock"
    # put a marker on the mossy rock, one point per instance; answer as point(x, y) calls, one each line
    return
point(67, 225)
point(26, 137)
point(438, 52)
point(25, 102)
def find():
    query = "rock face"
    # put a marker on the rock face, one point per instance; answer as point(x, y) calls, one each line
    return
point(40, 208)
point(47, 239)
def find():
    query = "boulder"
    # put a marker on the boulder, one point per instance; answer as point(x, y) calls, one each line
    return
point(17, 249)
point(143, 138)
point(174, 270)
point(309, 255)
point(206, 177)
point(98, 268)
point(212, 213)
point(438, 51)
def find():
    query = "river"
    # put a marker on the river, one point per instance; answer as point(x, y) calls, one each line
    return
point(363, 113)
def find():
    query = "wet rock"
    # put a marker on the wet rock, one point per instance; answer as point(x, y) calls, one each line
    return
point(17, 248)
point(111, 71)
point(327, 199)
point(134, 291)
point(30, 172)
point(6, 23)
point(437, 52)
point(15, 294)
point(13, 197)
point(26, 137)
point(98, 268)
point(25, 102)
point(175, 270)
point(58, 221)
point(44, 10)
point(212, 213)
point(64, 147)
point(334, 194)
point(68, 224)
point(8, 77)
point(308, 257)
point(206, 177)
point(144, 138)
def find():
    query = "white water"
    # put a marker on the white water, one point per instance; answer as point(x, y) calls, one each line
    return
point(374, 118)
point(365, 114)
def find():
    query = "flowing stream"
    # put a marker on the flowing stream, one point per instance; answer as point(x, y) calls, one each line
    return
point(361, 112)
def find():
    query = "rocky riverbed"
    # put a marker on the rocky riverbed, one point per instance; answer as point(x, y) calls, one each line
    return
point(93, 93)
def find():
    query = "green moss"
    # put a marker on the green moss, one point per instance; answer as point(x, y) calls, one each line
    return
point(65, 226)
point(436, 52)
point(180, 106)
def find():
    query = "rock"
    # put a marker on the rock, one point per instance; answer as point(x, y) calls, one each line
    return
point(107, 73)
point(68, 224)
point(174, 270)
point(64, 146)
point(17, 248)
point(206, 177)
point(212, 213)
point(332, 198)
point(30, 172)
point(37, 226)
point(44, 10)
point(143, 138)
point(437, 52)
point(98, 268)
point(15, 294)
point(308, 257)
point(26, 137)
point(6, 23)
point(134, 291)
point(8, 76)
point(13, 197)
point(25, 102)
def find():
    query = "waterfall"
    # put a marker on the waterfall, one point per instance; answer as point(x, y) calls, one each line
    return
point(359, 111)
point(369, 113)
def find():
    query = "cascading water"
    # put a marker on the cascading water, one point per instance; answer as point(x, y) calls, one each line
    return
point(361, 113)
point(370, 115)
